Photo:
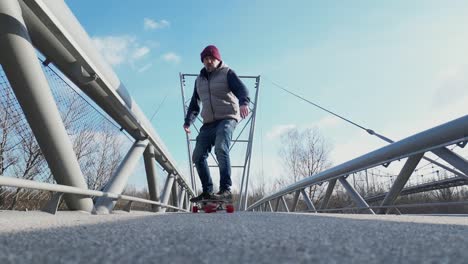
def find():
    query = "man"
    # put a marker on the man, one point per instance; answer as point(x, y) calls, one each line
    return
point(224, 101)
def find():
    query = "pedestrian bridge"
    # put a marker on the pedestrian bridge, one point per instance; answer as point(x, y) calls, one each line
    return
point(61, 152)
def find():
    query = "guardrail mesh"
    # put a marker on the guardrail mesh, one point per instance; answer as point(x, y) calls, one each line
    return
point(98, 142)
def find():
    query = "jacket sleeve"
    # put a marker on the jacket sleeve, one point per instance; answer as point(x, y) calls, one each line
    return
point(238, 88)
point(193, 109)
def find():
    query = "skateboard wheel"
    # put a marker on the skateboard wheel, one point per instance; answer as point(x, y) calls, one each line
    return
point(229, 208)
point(210, 208)
point(194, 209)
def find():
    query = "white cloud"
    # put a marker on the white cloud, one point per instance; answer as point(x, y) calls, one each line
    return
point(145, 68)
point(277, 131)
point(150, 24)
point(118, 50)
point(140, 52)
point(328, 121)
point(171, 57)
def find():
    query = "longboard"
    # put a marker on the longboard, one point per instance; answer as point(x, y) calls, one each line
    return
point(212, 206)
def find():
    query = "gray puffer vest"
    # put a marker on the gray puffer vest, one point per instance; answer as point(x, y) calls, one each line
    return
point(218, 101)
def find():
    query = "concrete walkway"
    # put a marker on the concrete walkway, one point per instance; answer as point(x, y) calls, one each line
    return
point(138, 237)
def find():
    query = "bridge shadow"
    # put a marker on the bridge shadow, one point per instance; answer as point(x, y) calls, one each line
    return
point(229, 238)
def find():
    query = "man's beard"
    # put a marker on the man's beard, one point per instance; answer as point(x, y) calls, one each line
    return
point(210, 68)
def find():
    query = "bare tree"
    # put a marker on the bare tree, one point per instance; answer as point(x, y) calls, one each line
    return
point(7, 146)
point(97, 147)
point(99, 165)
point(305, 153)
point(445, 194)
point(7, 118)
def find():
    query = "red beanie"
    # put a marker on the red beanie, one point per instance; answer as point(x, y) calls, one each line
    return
point(210, 50)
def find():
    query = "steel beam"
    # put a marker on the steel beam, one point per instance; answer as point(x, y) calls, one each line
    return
point(277, 204)
point(19, 61)
point(360, 202)
point(119, 180)
point(328, 193)
point(400, 181)
point(269, 206)
point(453, 159)
point(150, 168)
point(186, 201)
point(310, 204)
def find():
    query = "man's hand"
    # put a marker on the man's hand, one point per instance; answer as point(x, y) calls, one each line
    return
point(187, 129)
point(244, 111)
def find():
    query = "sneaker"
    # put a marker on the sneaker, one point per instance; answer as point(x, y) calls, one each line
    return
point(223, 195)
point(202, 196)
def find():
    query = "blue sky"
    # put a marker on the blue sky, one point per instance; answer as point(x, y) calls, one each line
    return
point(397, 67)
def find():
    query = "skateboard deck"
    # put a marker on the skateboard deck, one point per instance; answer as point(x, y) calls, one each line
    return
point(212, 206)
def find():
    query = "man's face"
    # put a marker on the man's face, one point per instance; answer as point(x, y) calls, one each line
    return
point(210, 63)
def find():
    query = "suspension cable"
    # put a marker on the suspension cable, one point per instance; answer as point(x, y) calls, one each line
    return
point(369, 131)
point(159, 106)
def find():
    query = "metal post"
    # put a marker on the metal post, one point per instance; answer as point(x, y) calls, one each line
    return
point(30, 86)
point(310, 204)
point(400, 181)
point(187, 201)
point(242, 185)
point(119, 180)
point(355, 195)
point(250, 145)
point(367, 184)
point(328, 193)
point(187, 137)
point(181, 196)
point(285, 205)
point(295, 201)
point(175, 200)
point(166, 193)
point(184, 201)
point(150, 168)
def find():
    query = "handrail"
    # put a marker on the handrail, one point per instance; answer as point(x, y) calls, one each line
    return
point(449, 133)
point(30, 184)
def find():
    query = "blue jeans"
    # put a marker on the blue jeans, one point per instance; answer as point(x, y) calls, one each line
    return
point(219, 135)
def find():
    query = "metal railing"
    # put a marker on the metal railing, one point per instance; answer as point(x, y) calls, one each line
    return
point(432, 140)
point(53, 204)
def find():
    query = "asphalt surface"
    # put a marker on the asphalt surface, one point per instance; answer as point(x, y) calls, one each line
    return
point(137, 237)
